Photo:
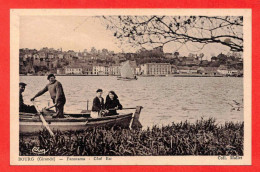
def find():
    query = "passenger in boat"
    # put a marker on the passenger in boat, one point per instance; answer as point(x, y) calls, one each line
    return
point(112, 104)
point(98, 102)
point(23, 107)
point(57, 95)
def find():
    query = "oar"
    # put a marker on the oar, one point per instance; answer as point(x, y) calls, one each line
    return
point(128, 108)
point(48, 108)
point(43, 120)
point(122, 109)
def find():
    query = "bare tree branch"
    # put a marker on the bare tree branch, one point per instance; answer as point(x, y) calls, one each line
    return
point(161, 30)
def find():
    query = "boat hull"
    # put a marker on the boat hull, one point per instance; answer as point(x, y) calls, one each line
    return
point(126, 79)
point(31, 123)
point(34, 125)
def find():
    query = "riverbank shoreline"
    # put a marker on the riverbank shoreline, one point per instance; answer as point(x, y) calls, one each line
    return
point(175, 75)
point(203, 137)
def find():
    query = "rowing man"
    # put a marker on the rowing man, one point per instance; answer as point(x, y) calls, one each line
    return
point(57, 95)
point(23, 107)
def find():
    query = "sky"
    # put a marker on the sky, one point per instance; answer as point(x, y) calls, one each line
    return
point(78, 33)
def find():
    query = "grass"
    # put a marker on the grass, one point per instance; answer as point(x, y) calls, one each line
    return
point(204, 137)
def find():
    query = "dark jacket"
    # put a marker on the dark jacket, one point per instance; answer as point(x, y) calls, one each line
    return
point(111, 104)
point(56, 92)
point(97, 105)
point(25, 108)
point(21, 103)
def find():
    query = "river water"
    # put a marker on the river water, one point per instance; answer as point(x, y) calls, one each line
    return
point(165, 99)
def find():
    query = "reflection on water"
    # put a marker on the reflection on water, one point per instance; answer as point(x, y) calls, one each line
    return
point(165, 99)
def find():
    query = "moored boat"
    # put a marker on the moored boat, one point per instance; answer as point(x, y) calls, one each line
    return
point(31, 123)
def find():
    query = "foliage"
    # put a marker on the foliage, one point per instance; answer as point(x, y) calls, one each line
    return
point(204, 137)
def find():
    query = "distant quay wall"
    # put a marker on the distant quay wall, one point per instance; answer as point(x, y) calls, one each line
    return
point(170, 75)
point(68, 75)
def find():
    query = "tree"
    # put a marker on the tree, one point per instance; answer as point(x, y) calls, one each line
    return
point(201, 55)
point(191, 55)
point(157, 31)
point(176, 54)
point(93, 50)
point(104, 51)
point(222, 58)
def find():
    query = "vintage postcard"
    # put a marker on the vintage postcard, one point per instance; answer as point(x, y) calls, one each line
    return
point(130, 87)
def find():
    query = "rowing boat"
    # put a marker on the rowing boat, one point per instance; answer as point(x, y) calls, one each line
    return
point(31, 123)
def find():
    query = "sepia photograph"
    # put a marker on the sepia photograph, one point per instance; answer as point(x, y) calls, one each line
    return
point(119, 87)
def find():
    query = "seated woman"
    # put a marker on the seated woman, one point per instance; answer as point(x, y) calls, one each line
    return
point(112, 103)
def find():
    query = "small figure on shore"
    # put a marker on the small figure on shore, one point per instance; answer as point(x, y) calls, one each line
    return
point(57, 95)
point(23, 107)
point(98, 104)
point(112, 103)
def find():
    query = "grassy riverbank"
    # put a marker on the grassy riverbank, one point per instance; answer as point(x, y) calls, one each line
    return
point(204, 137)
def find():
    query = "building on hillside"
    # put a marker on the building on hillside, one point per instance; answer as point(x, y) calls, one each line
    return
point(60, 56)
point(192, 63)
point(211, 71)
point(190, 58)
point(168, 55)
point(50, 56)
point(213, 59)
point(72, 53)
point(233, 72)
point(60, 71)
point(22, 69)
point(223, 70)
point(36, 56)
point(187, 70)
point(67, 56)
point(55, 63)
point(204, 63)
point(182, 58)
point(42, 55)
point(40, 62)
point(183, 70)
point(194, 69)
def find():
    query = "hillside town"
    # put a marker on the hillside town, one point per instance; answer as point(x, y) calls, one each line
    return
point(143, 63)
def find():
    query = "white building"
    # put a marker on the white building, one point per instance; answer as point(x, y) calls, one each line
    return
point(51, 56)
point(114, 70)
point(156, 69)
point(100, 70)
point(223, 70)
point(138, 71)
point(183, 69)
point(73, 70)
point(60, 56)
point(233, 72)
point(60, 71)
point(36, 56)
point(187, 70)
